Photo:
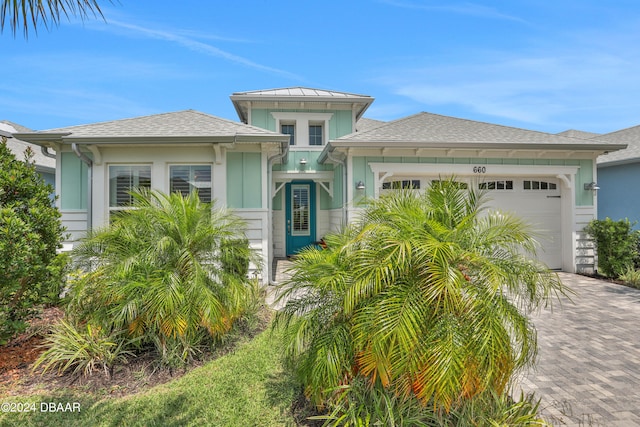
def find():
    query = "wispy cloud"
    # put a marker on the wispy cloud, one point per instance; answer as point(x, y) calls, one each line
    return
point(188, 41)
point(70, 106)
point(566, 84)
point(470, 9)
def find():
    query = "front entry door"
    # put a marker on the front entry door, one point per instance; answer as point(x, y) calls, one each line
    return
point(301, 215)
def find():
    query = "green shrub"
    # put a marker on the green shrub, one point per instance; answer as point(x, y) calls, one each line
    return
point(171, 272)
point(83, 350)
point(30, 233)
point(426, 296)
point(358, 404)
point(631, 277)
point(616, 245)
point(235, 255)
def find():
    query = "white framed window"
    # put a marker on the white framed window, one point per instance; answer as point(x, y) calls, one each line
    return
point(306, 129)
point(316, 137)
point(289, 129)
point(538, 185)
point(300, 209)
point(412, 184)
point(123, 179)
point(185, 179)
point(506, 184)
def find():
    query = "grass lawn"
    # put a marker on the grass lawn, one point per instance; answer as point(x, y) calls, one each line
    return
point(247, 387)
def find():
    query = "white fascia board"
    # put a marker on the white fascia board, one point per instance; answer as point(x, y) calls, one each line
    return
point(471, 169)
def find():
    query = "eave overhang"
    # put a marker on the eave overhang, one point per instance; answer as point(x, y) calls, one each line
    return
point(337, 145)
point(242, 102)
point(50, 139)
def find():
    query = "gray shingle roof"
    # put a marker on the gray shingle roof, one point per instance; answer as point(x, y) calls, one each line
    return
point(629, 136)
point(434, 128)
point(187, 123)
point(365, 124)
point(573, 133)
point(18, 147)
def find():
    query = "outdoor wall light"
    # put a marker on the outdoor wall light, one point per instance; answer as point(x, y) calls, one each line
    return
point(359, 185)
point(591, 186)
point(303, 162)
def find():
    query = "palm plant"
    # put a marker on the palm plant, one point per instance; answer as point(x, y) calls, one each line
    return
point(158, 271)
point(426, 296)
point(22, 13)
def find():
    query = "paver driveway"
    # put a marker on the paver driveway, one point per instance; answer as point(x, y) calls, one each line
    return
point(588, 370)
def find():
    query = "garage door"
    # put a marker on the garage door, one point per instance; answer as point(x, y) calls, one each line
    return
point(534, 199)
point(537, 201)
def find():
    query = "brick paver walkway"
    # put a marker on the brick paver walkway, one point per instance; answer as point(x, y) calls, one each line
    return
point(588, 371)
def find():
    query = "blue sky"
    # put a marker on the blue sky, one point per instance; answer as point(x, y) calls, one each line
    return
point(542, 65)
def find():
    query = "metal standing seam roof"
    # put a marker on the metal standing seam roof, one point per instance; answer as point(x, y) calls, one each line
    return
point(629, 136)
point(187, 123)
point(300, 92)
point(437, 129)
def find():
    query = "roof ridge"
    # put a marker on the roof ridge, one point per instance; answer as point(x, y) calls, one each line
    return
point(461, 119)
point(125, 119)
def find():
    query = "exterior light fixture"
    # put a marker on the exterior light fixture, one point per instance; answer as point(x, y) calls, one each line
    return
point(360, 185)
point(303, 162)
point(591, 186)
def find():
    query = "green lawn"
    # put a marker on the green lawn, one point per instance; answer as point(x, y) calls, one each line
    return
point(247, 387)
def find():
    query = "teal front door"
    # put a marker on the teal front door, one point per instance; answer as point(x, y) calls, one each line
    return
point(301, 215)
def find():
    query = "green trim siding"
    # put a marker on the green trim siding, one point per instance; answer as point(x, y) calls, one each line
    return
point(362, 172)
point(73, 182)
point(244, 180)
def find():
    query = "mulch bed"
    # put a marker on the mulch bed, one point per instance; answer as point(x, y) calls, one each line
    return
point(17, 377)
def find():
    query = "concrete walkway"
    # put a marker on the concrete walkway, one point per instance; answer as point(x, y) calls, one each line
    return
point(280, 267)
point(588, 371)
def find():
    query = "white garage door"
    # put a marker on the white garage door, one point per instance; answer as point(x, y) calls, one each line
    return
point(537, 201)
point(534, 199)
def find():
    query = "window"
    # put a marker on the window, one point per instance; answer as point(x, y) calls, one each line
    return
point(186, 179)
point(459, 185)
point(291, 131)
point(315, 134)
point(539, 185)
point(123, 179)
point(413, 184)
point(301, 210)
point(496, 185)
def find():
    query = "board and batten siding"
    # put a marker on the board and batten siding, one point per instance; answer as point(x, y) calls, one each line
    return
point(244, 180)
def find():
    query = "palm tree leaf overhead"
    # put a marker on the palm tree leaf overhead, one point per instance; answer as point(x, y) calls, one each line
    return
point(29, 13)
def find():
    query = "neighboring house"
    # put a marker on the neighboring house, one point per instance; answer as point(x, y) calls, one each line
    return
point(300, 162)
point(618, 177)
point(45, 163)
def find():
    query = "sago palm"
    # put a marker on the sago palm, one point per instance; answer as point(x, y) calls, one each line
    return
point(426, 295)
point(158, 271)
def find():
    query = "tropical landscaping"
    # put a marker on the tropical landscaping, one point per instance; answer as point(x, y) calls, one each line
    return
point(417, 314)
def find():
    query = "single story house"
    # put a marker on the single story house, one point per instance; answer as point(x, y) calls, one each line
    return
point(300, 160)
point(45, 162)
point(618, 198)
